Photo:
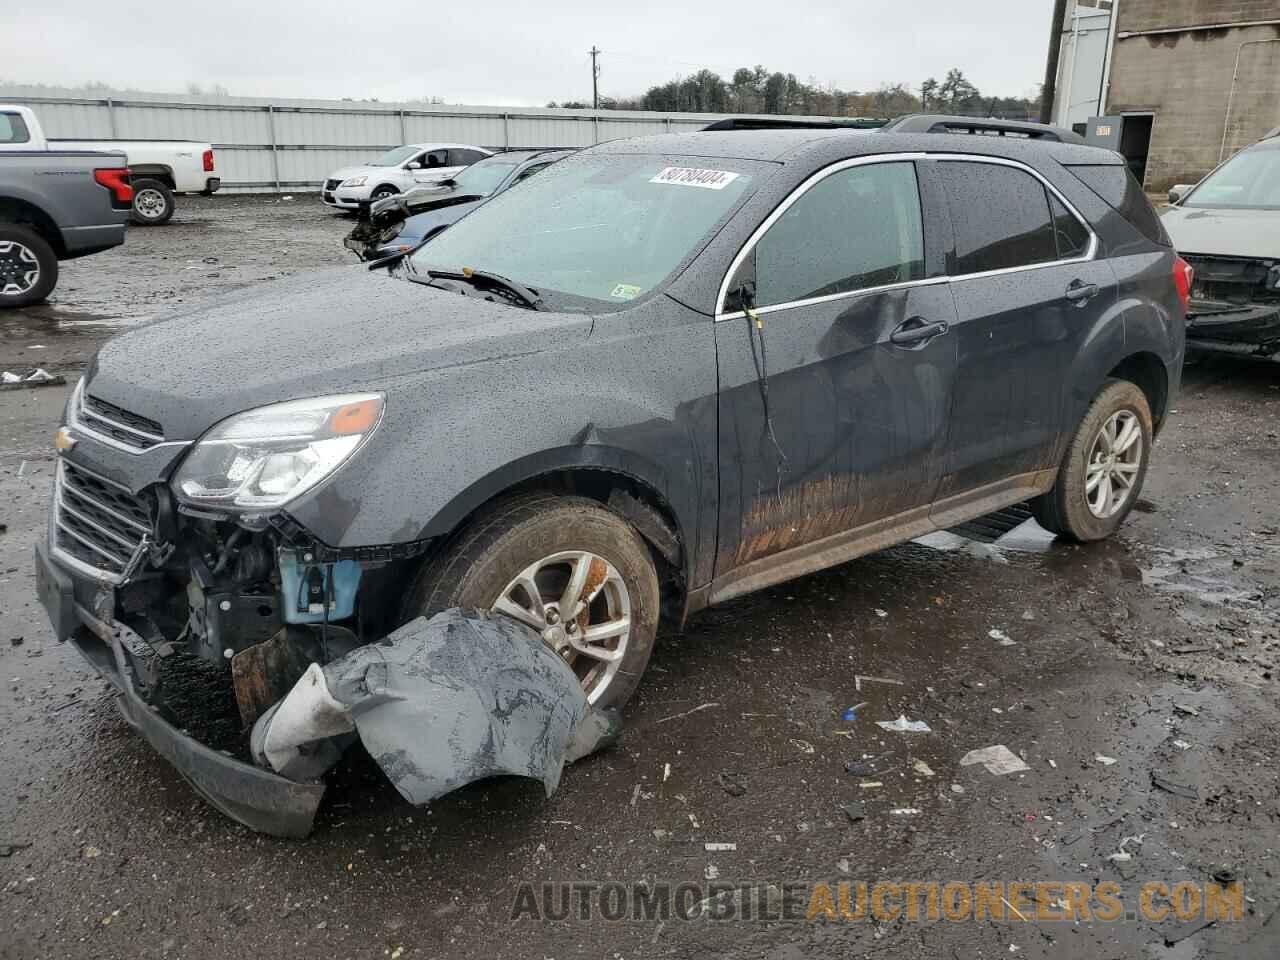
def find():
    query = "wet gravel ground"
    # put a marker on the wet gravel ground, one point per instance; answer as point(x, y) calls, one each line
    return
point(1157, 650)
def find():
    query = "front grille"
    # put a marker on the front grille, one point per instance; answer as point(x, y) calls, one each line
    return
point(97, 522)
point(137, 432)
point(1235, 279)
point(331, 184)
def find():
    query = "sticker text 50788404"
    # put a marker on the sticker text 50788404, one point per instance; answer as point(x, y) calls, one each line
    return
point(695, 177)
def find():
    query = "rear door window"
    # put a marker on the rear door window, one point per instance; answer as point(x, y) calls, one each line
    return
point(13, 129)
point(464, 158)
point(1071, 234)
point(1000, 215)
point(857, 228)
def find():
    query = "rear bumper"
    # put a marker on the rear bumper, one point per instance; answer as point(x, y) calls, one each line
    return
point(255, 797)
point(212, 185)
point(1250, 329)
point(80, 241)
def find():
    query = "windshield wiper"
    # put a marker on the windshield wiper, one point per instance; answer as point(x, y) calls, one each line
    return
point(484, 277)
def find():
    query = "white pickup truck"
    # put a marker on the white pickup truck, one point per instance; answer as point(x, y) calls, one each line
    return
point(159, 168)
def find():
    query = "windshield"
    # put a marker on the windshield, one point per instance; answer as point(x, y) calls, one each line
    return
point(482, 178)
point(606, 227)
point(1249, 179)
point(395, 157)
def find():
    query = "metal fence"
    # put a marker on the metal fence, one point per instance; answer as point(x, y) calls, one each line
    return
point(280, 145)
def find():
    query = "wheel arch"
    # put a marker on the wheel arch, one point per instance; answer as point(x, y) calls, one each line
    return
point(617, 479)
point(1148, 373)
point(153, 171)
point(23, 213)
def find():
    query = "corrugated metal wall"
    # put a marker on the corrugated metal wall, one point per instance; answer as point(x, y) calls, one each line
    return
point(286, 145)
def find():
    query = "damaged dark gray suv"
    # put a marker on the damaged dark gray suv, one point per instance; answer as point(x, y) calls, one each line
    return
point(664, 373)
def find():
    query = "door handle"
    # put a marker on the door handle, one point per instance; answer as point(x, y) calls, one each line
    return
point(1080, 292)
point(917, 330)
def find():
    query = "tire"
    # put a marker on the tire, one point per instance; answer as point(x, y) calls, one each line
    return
point(153, 203)
point(382, 192)
point(28, 266)
point(1071, 509)
point(481, 562)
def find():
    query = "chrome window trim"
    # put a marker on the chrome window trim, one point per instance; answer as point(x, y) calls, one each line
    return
point(825, 172)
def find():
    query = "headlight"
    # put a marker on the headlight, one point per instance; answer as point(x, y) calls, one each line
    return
point(261, 459)
point(354, 181)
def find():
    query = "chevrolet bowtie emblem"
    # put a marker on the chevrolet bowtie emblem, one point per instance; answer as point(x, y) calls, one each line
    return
point(63, 440)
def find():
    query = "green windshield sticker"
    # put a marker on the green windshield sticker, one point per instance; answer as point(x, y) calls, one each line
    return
point(625, 291)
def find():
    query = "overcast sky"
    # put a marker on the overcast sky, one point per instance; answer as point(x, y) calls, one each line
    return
point(514, 52)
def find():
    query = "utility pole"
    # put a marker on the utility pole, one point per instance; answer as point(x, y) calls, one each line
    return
point(1051, 62)
point(595, 78)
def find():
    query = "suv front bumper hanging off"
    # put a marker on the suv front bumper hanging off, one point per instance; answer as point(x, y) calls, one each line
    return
point(258, 798)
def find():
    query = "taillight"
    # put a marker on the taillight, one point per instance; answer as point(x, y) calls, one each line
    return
point(1183, 275)
point(116, 179)
point(208, 161)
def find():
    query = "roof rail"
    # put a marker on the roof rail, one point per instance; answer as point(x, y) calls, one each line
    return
point(988, 126)
point(796, 123)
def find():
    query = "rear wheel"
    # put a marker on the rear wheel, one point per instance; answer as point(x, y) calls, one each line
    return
point(1104, 467)
point(153, 202)
point(28, 266)
point(567, 568)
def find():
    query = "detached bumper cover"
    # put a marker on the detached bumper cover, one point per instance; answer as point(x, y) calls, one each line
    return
point(258, 798)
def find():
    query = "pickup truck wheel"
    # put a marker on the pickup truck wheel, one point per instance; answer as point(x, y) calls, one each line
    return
point(153, 203)
point(28, 266)
point(568, 568)
point(1102, 472)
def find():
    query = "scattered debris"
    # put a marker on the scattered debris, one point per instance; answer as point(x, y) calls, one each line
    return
point(711, 871)
point(995, 633)
point(1192, 648)
point(1177, 789)
point(997, 759)
point(90, 852)
point(731, 784)
point(16, 641)
point(719, 847)
point(36, 377)
point(859, 679)
point(922, 768)
point(881, 613)
point(870, 784)
point(905, 811)
point(1186, 709)
point(903, 725)
point(1105, 761)
point(1028, 615)
point(687, 713)
point(956, 788)
point(851, 713)
point(9, 849)
point(666, 772)
point(1182, 745)
point(855, 811)
point(804, 746)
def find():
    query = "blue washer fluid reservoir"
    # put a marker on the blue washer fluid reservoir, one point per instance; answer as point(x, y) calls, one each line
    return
point(305, 586)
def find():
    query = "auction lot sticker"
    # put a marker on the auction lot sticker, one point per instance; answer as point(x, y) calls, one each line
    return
point(696, 177)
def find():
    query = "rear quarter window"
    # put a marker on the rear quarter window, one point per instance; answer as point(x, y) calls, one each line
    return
point(1117, 186)
point(1001, 217)
point(13, 129)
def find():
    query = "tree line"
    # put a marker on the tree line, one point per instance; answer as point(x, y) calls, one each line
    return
point(757, 90)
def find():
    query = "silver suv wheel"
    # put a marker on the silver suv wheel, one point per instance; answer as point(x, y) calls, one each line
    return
point(1114, 461)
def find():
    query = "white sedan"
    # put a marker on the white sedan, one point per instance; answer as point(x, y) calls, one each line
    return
point(398, 170)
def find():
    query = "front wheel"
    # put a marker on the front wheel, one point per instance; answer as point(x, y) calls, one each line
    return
point(28, 266)
point(1104, 467)
point(382, 193)
point(153, 203)
point(564, 566)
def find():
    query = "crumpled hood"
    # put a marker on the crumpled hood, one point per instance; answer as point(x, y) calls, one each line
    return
point(1224, 233)
point(334, 331)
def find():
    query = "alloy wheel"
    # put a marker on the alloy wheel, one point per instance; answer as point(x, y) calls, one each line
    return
point(578, 603)
point(1115, 459)
point(19, 268)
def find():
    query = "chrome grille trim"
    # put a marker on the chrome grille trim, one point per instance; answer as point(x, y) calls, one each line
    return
point(118, 424)
point(96, 524)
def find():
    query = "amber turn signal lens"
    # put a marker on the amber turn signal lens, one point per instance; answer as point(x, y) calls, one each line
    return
point(355, 417)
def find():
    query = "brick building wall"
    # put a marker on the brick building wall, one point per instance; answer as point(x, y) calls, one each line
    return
point(1184, 79)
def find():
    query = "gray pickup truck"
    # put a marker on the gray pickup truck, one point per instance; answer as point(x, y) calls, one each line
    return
point(55, 205)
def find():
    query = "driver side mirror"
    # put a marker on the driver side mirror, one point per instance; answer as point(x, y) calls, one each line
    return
point(1178, 191)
